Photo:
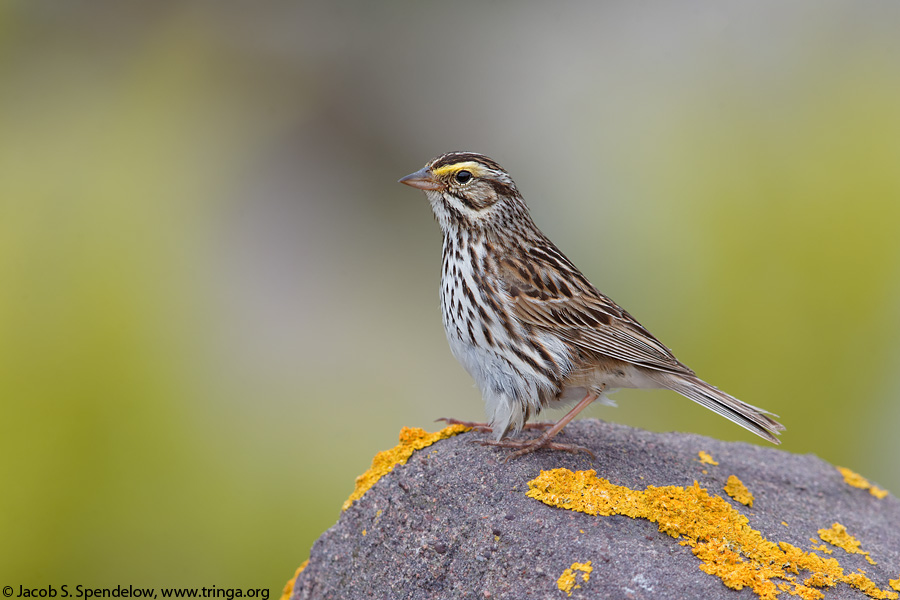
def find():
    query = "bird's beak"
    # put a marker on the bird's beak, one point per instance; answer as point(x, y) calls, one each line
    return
point(422, 179)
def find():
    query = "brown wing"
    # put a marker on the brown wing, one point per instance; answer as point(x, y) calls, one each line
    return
point(550, 293)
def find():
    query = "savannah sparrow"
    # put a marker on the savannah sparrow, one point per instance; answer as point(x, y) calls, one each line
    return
point(527, 325)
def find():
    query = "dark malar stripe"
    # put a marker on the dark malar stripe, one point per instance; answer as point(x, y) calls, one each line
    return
point(465, 202)
point(456, 216)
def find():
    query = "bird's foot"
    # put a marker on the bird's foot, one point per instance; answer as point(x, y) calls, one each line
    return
point(487, 428)
point(527, 446)
point(470, 424)
point(543, 426)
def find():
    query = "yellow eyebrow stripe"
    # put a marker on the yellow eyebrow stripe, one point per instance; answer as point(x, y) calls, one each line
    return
point(476, 169)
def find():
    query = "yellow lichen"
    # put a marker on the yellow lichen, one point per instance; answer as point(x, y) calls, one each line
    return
point(820, 547)
point(895, 583)
point(861, 582)
point(878, 492)
point(289, 586)
point(858, 481)
point(411, 439)
point(566, 581)
point(706, 458)
point(719, 535)
point(838, 536)
point(735, 488)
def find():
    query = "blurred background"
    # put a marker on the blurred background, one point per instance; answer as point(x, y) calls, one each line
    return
point(217, 304)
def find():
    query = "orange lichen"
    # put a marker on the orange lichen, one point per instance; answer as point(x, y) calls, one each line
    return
point(735, 488)
point(706, 458)
point(838, 536)
point(411, 439)
point(719, 535)
point(858, 481)
point(566, 581)
point(289, 586)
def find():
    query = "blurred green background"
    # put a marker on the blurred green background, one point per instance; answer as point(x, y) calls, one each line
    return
point(216, 303)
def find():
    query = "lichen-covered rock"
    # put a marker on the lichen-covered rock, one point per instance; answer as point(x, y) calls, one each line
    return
point(648, 517)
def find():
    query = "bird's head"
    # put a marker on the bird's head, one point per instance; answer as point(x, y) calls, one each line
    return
point(467, 190)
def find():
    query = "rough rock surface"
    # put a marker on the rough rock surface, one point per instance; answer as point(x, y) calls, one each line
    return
point(455, 522)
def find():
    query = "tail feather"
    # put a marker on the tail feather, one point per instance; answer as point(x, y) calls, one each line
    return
point(747, 416)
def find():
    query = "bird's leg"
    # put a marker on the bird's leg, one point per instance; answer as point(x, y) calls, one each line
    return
point(485, 427)
point(524, 447)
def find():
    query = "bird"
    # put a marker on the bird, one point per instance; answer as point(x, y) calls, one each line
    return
point(528, 326)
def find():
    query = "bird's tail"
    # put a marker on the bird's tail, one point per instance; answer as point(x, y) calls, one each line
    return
point(747, 416)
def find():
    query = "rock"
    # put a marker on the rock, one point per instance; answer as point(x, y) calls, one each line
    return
point(456, 521)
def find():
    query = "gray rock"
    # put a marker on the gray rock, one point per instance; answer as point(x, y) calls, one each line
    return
point(455, 522)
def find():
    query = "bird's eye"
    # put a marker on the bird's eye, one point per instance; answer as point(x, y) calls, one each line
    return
point(463, 177)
